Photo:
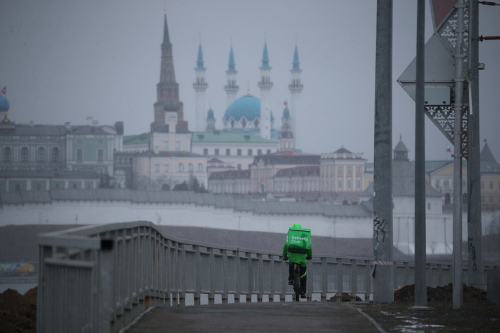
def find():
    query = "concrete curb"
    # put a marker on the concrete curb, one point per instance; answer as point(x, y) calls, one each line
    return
point(377, 326)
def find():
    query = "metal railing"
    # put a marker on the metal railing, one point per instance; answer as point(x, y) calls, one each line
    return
point(100, 278)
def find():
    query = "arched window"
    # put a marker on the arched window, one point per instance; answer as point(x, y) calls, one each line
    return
point(243, 123)
point(24, 154)
point(7, 154)
point(180, 167)
point(55, 154)
point(200, 167)
point(190, 167)
point(41, 154)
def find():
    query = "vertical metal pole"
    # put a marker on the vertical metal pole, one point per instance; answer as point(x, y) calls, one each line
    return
point(382, 184)
point(420, 230)
point(474, 226)
point(457, 166)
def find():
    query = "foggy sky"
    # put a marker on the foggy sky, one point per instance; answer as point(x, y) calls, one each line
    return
point(68, 60)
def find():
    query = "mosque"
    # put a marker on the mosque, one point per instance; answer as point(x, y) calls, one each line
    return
point(248, 122)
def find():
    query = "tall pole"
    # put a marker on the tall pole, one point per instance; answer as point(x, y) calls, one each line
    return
point(474, 228)
point(457, 166)
point(420, 220)
point(383, 275)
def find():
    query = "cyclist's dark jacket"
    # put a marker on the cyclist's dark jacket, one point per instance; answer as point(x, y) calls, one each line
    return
point(299, 258)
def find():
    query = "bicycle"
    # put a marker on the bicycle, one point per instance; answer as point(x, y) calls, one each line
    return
point(296, 281)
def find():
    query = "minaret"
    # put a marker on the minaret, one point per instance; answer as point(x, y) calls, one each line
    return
point(295, 89)
point(167, 90)
point(231, 87)
point(286, 135)
point(265, 86)
point(200, 86)
point(210, 121)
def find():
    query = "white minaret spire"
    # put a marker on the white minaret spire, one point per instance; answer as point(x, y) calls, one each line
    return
point(295, 89)
point(265, 86)
point(231, 87)
point(200, 86)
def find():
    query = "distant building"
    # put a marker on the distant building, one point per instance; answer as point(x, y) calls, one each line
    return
point(19, 180)
point(31, 147)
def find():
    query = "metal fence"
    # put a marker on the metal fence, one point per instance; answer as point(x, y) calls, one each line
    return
point(100, 278)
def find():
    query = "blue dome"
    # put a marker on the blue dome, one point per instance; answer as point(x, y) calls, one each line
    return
point(247, 107)
point(4, 104)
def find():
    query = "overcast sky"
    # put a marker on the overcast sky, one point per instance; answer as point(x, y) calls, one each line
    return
point(68, 60)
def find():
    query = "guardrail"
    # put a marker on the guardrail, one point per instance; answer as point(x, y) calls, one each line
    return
point(100, 278)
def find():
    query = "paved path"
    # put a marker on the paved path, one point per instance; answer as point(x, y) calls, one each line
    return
point(255, 317)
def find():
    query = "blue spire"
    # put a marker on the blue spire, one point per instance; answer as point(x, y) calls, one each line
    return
point(210, 114)
point(265, 58)
point(166, 37)
point(230, 67)
point(296, 63)
point(286, 113)
point(200, 58)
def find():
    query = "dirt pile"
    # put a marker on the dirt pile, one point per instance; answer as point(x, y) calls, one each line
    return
point(18, 312)
point(440, 294)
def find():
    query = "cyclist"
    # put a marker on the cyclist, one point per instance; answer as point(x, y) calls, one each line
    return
point(297, 258)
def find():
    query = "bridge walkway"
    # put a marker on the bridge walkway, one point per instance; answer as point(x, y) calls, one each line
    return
point(255, 317)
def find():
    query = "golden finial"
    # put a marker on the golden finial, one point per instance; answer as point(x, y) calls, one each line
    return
point(248, 88)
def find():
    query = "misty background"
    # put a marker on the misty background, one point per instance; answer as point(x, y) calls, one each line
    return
point(67, 61)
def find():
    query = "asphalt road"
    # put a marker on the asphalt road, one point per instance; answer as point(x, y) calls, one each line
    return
point(255, 317)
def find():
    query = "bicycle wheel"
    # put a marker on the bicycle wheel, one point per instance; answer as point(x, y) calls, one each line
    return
point(296, 284)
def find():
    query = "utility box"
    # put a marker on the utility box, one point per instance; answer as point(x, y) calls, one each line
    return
point(437, 95)
point(493, 283)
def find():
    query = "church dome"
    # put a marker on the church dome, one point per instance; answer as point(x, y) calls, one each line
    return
point(247, 107)
point(4, 104)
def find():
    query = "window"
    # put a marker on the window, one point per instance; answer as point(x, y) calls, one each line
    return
point(180, 167)
point(190, 167)
point(349, 184)
point(340, 185)
point(38, 186)
point(18, 187)
point(358, 169)
point(177, 145)
point(239, 166)
point(268, 151)
point(165, 145)
point(24, 154)
point(428, 205)
point(157, 168)
point(482, 185)
point(228, 152)
point(259, 152)
point(216, 151)
point(446, 183)
point(250, 152)
point(358, 184)
point(491, 198)
point(55, 154)
point(339, 170)
point(205, 151)
point(165, 168)
point(74, 185)
point(100, 155)
point(41, 154)
point(436, 183)
point(238, 152)
point(200, 167)
point(349, 170)
point(79, 154)
point(491, 185)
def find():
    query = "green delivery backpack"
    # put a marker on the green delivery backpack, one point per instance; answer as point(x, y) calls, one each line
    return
point(299, 240)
